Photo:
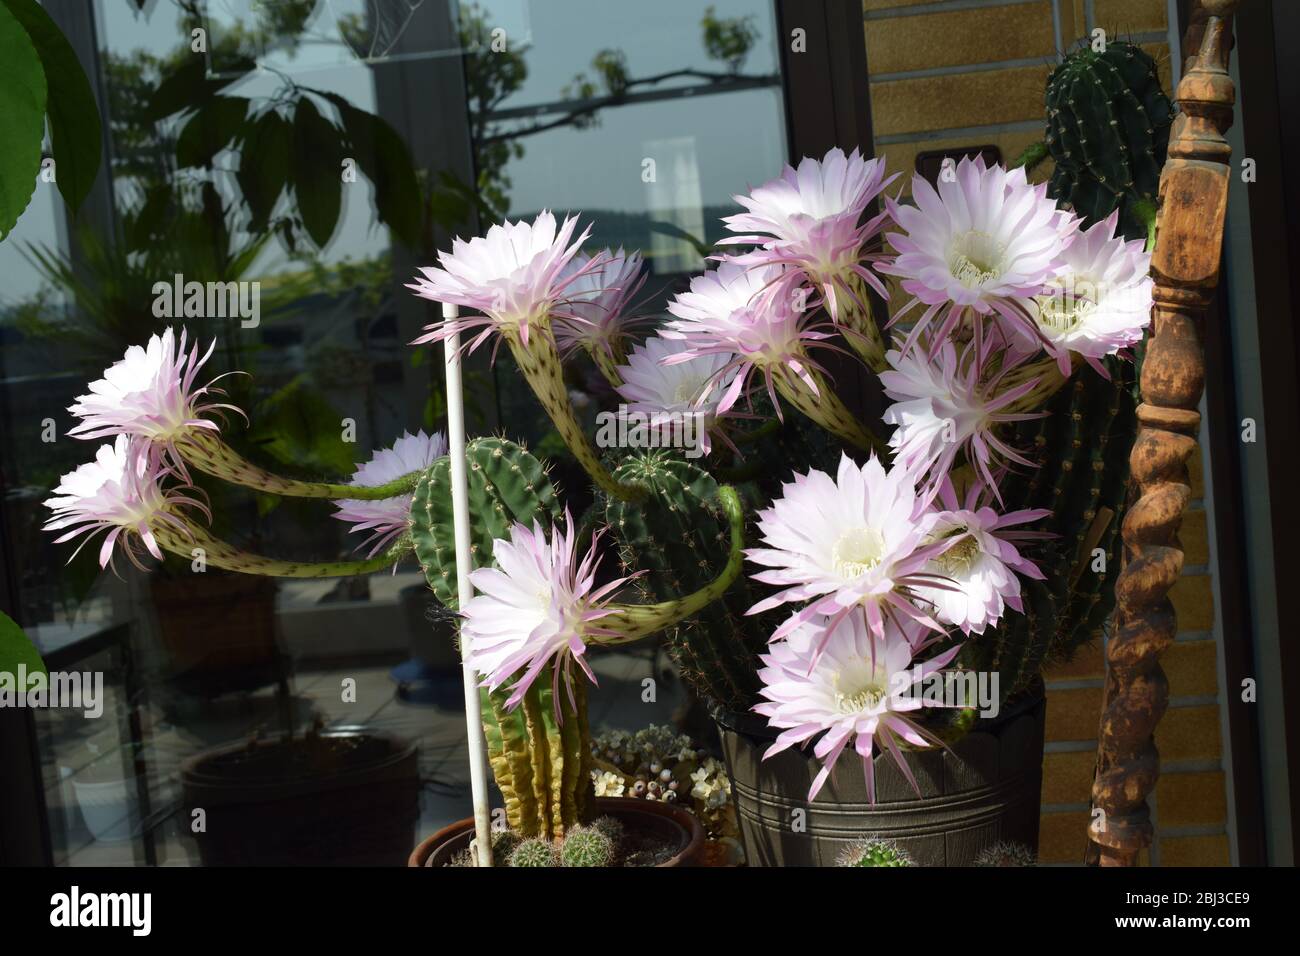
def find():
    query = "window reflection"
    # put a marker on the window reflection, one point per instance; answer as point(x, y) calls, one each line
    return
point(232, 166)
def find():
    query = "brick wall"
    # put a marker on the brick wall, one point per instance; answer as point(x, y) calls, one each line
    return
point(970, 73)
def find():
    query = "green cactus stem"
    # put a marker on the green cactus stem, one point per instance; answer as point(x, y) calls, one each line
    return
point(608, 365)
point(208, 453)
point(634, 622)
point(826, 409)
point(535, 852)
point(1108, 123)
point(200, 543)
point(540, 363)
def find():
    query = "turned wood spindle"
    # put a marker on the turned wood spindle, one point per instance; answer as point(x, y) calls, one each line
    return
point(1185, 265)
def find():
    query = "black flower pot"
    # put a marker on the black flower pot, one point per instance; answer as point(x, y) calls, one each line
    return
point(986, 789)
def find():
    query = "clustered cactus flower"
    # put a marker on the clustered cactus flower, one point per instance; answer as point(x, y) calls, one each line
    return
point(873, 560)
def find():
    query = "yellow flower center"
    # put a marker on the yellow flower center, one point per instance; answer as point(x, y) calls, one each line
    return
point(976, 258)
point(958, 559)
point(1060, 314)
point(857, 551)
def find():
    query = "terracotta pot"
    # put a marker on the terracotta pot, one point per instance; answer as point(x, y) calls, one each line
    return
point(985, 790)
point(672, 822)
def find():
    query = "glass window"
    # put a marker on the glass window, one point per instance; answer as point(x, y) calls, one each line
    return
point(298, 160)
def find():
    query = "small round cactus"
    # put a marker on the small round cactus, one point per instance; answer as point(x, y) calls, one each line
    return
point(586, 846)
point(874, 853)
point(504, 842)
point(1006, 854)
point(534, 852)
point(612, 827)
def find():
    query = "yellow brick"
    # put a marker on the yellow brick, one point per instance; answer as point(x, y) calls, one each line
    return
point(1073, 714)
point(1120, 18)
point(1074, 20)
point(1062, 837)
point(1067, 777)
point(1088, 661)
point(1189, 733)
point(1193, 599)
point(1195, 537)
point(1195, 851)
point(960, 37)
point(1192, 668)
point(958, 100)
point(1190, 799)
point(1196, 476)
point(870, 5)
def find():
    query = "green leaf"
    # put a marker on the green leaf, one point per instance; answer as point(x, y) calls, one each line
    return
point(296, 426)
point(317, 179)
point(677, 232)
point(74, 118)
point(385, 159)
point(210, 130)
point(22, 119)
point(17, 648)
point(189, 86)
point(264, 166)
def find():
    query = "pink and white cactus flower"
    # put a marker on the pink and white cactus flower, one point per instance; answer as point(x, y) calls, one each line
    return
point(809, 219)
point(514, 275)
point(665, 392)
point(977, 246)
point(754, 315)
point(120, 492)
point(1101, 302)
point(389, 518)
point(980, 568)
point(152, 392)
point(944, 405)
point(838, 543)
point(852, 684)
point(594, 313)
point(541, 605)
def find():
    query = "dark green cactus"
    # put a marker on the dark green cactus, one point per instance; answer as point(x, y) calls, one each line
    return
point(1081, 448)
point(1108, 126)
point(679, 537)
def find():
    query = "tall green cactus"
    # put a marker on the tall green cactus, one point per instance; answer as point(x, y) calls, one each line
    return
point(1081, 452)
point(1108, 126)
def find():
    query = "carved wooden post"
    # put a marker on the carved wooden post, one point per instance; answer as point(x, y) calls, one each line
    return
point(1185, 265)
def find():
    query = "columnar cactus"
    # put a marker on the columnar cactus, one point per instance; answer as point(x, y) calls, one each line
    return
point(1108, 126)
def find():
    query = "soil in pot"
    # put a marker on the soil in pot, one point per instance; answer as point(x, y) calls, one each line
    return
point(655, 834)
point(339, 797)
point(985, 790)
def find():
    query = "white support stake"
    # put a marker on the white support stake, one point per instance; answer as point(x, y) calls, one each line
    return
point(478, 764)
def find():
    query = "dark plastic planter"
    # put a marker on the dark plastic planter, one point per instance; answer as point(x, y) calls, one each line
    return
point(672, 823)
point(339, 797)
point(987, 789)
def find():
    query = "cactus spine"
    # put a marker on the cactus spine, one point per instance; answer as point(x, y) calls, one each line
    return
point(874, 853)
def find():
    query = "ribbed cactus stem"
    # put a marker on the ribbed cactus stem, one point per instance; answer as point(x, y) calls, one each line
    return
point(607, 364)
point(1050, 381)
point(200, 544)
point(826, 409)
point(863, 334)
point(634, 622)
point(540, 362)
point(206, 451)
